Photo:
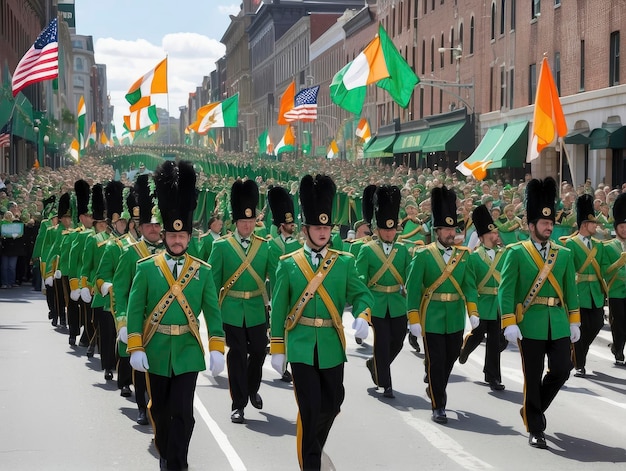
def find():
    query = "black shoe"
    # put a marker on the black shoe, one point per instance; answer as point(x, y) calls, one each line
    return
point(90, 351)
point(50, 316)
point(236, 416)
point(82, 343)
point(63, 324)
point(142, 418)
point(54, 322)
point(72, 340)
point(125, 392)
point(108, 375)
point(256, 401)
point(496, 385)
point(463, 356)
point(162, 463)
point(580, 373)
point(370, 366)
point(287, 378)
point(426, 378)
point(439, 416)
point(537, 440)
point(358, 340)
point(389, 393)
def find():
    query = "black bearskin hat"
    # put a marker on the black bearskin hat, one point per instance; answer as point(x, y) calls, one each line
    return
point(619, 210)
point(115, 205)
point(443, 203)
point(540, 199)
point(65, 208)
point(316, 200)
point(386, 202)
point(483, 220)
point(98, 207)
point(584, 210)
point(244, 198)
point(83, 193)
point(145, 201)
point(176, 194)
point(281, 205)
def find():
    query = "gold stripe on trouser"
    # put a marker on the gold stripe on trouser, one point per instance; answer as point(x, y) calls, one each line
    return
point(149, 406)
point(432, 400)
point(299, 431)
point(519, 345)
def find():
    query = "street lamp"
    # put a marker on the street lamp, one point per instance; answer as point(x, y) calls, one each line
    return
point(457, 53)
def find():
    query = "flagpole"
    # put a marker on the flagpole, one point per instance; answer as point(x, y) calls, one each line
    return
point(12, 159)
point(569, 162)
point(169, 131)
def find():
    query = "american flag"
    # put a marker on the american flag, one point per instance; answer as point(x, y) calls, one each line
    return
point(5, 135)
point(41, 61)
point(305, 105)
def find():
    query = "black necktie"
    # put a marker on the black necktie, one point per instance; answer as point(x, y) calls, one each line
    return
point(316, 257)
point(245, 243)
point(544, 250)
point(588, 242)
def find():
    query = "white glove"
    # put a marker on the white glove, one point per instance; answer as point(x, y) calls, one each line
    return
point(474, 321)
point(75, 294)
point(416, 329)
point(216, 362)
point(48, 281)
point(104, 289)
point(574, 330)
point(512, 333)
point(122, 335)
point(85, 294)
point(139, 361)
point(58, 274)
point(279, 363)
point(361, 328)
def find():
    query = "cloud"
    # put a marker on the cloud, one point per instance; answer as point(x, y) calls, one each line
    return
point(191, 56)
point(229, 9)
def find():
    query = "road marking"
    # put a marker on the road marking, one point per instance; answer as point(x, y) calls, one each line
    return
point(445, 444)
point(611, 402)
point(220, 437)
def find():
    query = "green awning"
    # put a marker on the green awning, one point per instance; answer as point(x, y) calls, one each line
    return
point(599, 137)
point(381, 146)
point(618, 138)
point(410, 141)
point(443, 137)
point(578, 136)
point(502, 147)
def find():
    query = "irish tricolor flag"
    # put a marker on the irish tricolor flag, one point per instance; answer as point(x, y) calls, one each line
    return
point(221, 114)
point(152, 83)
point(333, 150)
point(80, 122)
point(141, 118)
point(287, 143)
point(363, 130)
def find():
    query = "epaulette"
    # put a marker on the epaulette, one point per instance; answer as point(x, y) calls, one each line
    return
point(202, 262)
point(262, 239)
point(462, 247)
point(341, 252)
point(147, 258)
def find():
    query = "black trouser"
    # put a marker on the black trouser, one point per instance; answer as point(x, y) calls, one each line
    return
point(127, 376)
point(319, 394)
point(617, 320)
point(50, 301)
point(171, 409)
point(389, 334)
point(539, 390)
point(87, 319)
point(442, 350)
point(59, 300)
point(246, 354)
point(591, 322)
point(491, 328)
point(106, 328)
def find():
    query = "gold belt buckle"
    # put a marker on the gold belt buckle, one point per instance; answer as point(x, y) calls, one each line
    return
point(174, 330)
point(318, 322)
point(445, 297)
point(246, 295)
point(552, 302)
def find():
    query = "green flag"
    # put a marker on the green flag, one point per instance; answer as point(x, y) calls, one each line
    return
point(402, 79)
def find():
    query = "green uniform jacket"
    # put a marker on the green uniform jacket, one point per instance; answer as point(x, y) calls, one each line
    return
point(441, 317)
point(344, 286)
point(355, 245)
point(122, 280)
point(206, 244)
point(51, 250)
point(614, 265)
point(368, 264)
point(173, 354)
point(75, 255)
point(93, 252)
point(224, 263)
point(589, 286)
point(487, 297)
point(278, 248)
point(539, 319)
point(41, 235)
point(412, 231)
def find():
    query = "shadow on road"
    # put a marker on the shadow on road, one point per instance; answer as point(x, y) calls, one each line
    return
point(584, 451)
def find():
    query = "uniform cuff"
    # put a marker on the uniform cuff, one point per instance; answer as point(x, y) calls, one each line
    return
point(73, 284)
point(277, 345)
point(135, 343)
point(216, 344)
point(472, 309)
point(120, 322)
point(367, 315)
point(83, 282)
point(507, 320)
point(414, 316)
point(574, 317)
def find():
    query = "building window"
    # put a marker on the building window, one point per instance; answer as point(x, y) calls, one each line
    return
point(432, 55)
point(461, 35)
point(432, 5)
point(511, 88)
point(491, 88)
point(502, 17)
point(79, 64)
point(441, 54)
point(451, 46)
point(425, 4)
point(557, 2)
point(493, 21)
point(532, 83)
point(557, 71)
point(502, 87)
point(423, 57)
point(535, 8)
point(512, 15)
point(614, 57)
point(471, 36)
point(581, 85)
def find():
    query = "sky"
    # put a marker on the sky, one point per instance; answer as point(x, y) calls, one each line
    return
point(131, 37)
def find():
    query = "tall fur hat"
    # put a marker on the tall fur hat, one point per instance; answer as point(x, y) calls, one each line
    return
point(443, 203)
point(145, 201)
point(281, 205)
point(584, 209)
point(65, 208)
point(115, 204)
point(49, 206)
point(619, 210)
point(483, 220)
point(176, 194)
point(386, 203)
point(244, 198)
point(316, 200)
point(540, 199)
point(83, 195)
point(98, 206)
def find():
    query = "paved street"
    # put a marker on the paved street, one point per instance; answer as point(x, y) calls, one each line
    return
point(58, 412)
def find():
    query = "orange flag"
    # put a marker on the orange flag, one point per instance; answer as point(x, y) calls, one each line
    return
point(286, 102)
point(548, 118)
